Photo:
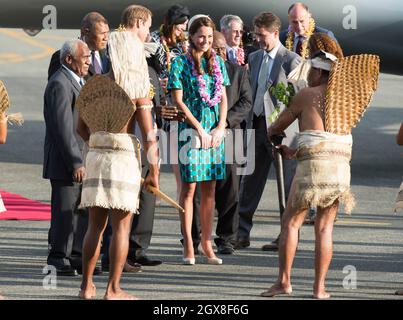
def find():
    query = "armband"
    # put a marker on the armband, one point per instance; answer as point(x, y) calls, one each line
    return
point(145, 107)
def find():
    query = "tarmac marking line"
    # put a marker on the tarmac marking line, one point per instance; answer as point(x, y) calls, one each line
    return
point(46, 50)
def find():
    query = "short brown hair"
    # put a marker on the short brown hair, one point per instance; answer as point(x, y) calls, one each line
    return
point(133, 13)
point(91, 19)
point(267, 20)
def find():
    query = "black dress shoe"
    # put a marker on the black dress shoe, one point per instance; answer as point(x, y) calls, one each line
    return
point(272, 246)
point(145, 261)
point(225, 248)
point(66, 271)
point(79, 268)
point(97, 270)
point(242, 243)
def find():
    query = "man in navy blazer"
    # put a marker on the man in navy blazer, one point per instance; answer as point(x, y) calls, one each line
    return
point(95, 33)
point(300, 22)
point(63, 158)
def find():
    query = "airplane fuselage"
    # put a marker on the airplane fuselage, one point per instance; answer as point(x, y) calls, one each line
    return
point(361, 26)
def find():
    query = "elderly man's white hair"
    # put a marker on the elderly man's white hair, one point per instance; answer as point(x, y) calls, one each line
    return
point(70, 47)
point(227, 19)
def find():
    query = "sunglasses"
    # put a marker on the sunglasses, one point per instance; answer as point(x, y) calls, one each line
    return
point(219, 49)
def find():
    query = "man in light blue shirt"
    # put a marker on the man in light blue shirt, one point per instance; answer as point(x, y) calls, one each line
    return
point(232, 28)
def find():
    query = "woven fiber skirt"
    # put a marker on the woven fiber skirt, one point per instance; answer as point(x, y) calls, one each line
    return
point(113, 172)
point(323, 171)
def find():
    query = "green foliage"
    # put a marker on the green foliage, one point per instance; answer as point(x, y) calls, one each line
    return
point(282, 93)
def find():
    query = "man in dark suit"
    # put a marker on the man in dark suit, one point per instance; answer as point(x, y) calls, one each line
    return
point(94, 32)
point(142, 226)
point(302, 26)
point(268, 67)
point(63, 158)
point(239, 95)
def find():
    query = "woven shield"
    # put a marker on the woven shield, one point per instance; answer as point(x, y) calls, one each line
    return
point(104, 105)
point(4, 98)
point(352, 83)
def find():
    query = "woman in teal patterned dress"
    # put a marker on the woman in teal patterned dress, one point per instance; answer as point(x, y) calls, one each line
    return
point(197, 81)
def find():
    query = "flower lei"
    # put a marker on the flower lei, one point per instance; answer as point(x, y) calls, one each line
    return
point(218, 81)
point(290, 39)
point(240, 56)
point(121, 28)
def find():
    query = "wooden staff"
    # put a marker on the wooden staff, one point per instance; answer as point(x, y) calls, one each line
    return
point(164, 197)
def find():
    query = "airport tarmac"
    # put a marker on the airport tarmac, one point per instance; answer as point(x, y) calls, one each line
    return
point(367, 244)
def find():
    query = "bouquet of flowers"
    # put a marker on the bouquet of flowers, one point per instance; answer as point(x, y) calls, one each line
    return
point(283, 94)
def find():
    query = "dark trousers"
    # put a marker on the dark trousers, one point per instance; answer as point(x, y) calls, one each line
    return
point(252, 186)
point(141, 229)
point(68, 223)
point(143, 223)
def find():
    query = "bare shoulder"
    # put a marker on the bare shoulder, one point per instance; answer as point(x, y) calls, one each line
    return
point(303, 97)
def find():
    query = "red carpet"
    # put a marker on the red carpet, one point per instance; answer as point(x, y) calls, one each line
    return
point(19, 208)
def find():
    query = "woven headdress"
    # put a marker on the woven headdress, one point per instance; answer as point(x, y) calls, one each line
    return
point(15, 118)
point(352, 83)
point(4, 98)
point(104, 105)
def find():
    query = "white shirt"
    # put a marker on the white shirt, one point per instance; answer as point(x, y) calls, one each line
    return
point(79, 80)
point(272, 54)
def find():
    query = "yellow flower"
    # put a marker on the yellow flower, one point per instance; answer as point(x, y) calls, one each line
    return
point(121, 28)
point(289, 43)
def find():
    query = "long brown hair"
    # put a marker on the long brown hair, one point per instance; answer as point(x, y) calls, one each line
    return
point(167, 31)
point(195, 26)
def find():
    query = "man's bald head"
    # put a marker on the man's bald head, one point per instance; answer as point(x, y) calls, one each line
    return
point(298, 18)
point(218, 39)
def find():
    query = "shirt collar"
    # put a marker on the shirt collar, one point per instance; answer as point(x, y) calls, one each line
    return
point(73, 74)
point(297, 36)
point(272, 54)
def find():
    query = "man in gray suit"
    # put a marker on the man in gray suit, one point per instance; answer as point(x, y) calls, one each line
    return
point(63, 158)
point(268, 67)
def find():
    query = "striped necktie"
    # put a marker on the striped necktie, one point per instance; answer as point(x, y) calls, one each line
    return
point(298, 49)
